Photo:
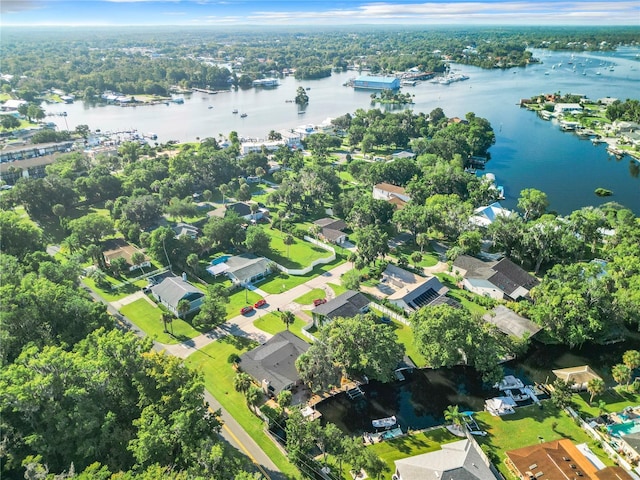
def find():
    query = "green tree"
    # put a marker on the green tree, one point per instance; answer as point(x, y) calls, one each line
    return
point(621, 374)
point(224, 191)
point(351, 280)
point(284, 398)
point(301, 97)
point(533, 203)
point(416, 258)
point(371, 243)
point(452, 414)
point(595, 387)
point(212, 311)
point(257, 240)
point(181, 208)
point(91, 228)
point(241, 382)
point(288, 240)
point(287, 318)
point(253, 396)
point(317, 369)
point(18, 235)
point(9, 122)
point(631, 358)
point(83, 131)
point(183, 308)
point(167, 318)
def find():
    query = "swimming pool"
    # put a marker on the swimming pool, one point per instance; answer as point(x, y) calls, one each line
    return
point(624, 428)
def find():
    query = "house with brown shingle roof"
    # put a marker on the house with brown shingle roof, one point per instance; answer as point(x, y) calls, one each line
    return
point(557, 460)
point(390, 193)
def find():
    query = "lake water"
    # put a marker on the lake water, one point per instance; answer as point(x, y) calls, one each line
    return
point(419, 401)
point(529, 152)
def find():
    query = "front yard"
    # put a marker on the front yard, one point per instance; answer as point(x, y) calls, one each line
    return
point(298, 255)
point(272, 323)
point(149, 318)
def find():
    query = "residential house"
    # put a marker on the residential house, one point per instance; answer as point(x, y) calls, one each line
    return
point(184, 229)
point(403, 154)
point(485, 216)
point(331, 230)
point(247, 268)
point(243, 210)
point(347, 305)
point(171, 290)
point(391, 193)
point(502, 280)
point(622, 126)
point(630, 444)
point(410, 291)
point(561, 108)
point(12, 105)
point(457, 460)
point(579, 376)
point(120, 248)
point(510, 323)
point(560, 460)
point(273, 364)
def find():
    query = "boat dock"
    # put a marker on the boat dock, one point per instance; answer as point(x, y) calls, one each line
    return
point(204, 90)
point(352, 389)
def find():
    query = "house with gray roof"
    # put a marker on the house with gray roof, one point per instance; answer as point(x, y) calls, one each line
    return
point(410, 291)
point(502, 280)
point(461, 460)
point(172, 290)
point(273, 364)
point(510, 323)
point(331, 230)
point(347, 305)
point(247, 268)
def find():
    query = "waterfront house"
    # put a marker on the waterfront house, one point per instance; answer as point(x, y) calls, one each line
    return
point(485, 216)
point(246, 268)
point(273, 364)
point(331, 230)
point(347, 305)
point(560, 460)
point(172, 290)
point(458, 460)
point(410, 291)
point(502, 280)
point(371, 82)
point(510, 323)
point(562, 108)
point(579, 377)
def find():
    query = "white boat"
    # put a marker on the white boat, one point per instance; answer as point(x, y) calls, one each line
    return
point(235, 110)
point(384, 422)
point(509, 382)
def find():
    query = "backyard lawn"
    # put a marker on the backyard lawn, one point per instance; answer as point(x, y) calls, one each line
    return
point(272, 323)
point(405, 337)
point(114, 295)
point(310, 296)
point(300, 254)
point(218, 379)
point(616, 399)
point(528, 426)
point(149, 318)
point(282, 282)
point(410, 445)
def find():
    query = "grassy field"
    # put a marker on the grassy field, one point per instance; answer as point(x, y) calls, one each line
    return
point(300, 254)
point(405, 337)
point(114, 295)
point(337, 289)
point(149, 318)
point(411, 445)
point(461, 295)
point(616, 399)
point(282, 281)
point(218, 378)
point(528, 426)
point(310, 296)
point(271, 323)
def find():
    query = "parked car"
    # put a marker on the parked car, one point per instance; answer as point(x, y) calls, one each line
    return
point(319, 301)
point(260, 303)
point(385, 319)
point(246, 309)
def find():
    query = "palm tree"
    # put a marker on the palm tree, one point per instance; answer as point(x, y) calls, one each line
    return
point(631, 358)
point(253, 396)
point(183, 308)
point(453, 415)
point(167, 318)
point(422, 239)
point(288, 241)
point(224, 190)
point(288, 318)
point(595, 386)
point(242, 382)
point(260, 173)
point(621, 374)
point(254, 209)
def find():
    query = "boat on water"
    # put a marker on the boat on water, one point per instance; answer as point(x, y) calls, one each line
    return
point(387, 422)
point(301, 112)
point(210, 107)
point(235, 110)
point(243, 115)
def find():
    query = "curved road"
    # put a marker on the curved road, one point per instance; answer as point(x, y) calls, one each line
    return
point(240, 325)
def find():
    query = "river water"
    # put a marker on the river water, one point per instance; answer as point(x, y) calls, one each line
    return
point(529, 152)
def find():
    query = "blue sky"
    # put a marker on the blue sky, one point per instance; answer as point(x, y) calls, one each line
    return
point(318, 12)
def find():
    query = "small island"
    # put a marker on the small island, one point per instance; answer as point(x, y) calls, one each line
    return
point(392, 97)
point(603, 192)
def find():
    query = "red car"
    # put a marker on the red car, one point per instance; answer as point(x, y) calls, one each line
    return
point(260, 303)
point(246, 309)
point(319, 301)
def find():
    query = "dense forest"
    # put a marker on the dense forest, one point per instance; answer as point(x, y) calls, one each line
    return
point(152, 60)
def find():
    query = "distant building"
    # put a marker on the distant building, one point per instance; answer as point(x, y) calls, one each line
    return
point(567, 108)
point(184, 229)
point(391, 193)
point(120, 248)
point(485, 216)
point(331, 230)
point(370, 82)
